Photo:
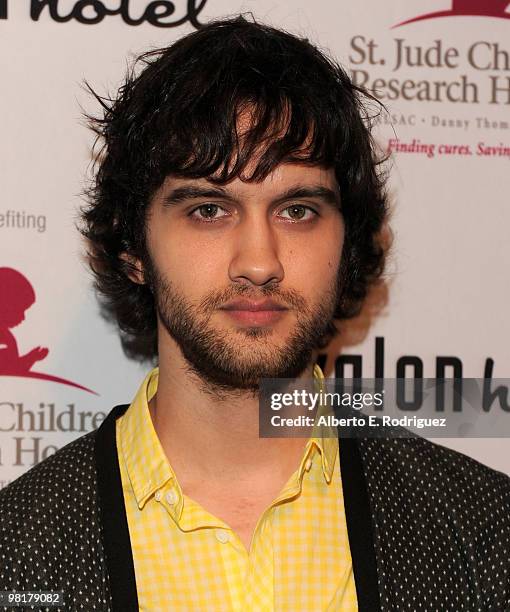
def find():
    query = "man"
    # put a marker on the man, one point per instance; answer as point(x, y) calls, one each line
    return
point(236, 213)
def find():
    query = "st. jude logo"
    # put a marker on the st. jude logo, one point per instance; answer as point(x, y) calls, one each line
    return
point(468, 8)
point(18, 295)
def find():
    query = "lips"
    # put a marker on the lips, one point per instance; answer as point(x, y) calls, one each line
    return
point(252, 306)
point(254, 313)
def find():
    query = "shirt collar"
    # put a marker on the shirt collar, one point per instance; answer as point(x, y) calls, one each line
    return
point(146, 463)
point(324, 438)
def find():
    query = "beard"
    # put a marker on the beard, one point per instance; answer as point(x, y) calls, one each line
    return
point(235, 360)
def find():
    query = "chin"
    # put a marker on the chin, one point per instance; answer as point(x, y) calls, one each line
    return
point(277, 332)
point(258, 333)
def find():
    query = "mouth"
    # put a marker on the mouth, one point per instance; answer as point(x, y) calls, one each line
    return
point(254, 313)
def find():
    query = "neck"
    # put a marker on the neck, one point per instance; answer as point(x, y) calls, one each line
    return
point(208, 436)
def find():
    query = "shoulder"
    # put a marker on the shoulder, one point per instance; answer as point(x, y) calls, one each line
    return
point(439, 487)
point(71, 469)
point(428, 466)
point(47, 513)
point(65, 480)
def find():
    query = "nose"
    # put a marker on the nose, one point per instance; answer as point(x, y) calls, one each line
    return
point(255, 259)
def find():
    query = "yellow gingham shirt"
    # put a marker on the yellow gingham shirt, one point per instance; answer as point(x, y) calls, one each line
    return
point(187, 559)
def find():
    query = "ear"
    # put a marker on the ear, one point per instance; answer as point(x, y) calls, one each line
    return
point(133, 268)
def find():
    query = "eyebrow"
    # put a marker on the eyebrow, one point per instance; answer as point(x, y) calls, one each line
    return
point(191, 192)
point(329, 196)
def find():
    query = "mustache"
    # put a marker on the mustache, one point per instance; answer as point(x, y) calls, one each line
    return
point(287, 297)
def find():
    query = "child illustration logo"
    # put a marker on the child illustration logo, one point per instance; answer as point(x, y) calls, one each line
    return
point(18, 296)
point(468, 8)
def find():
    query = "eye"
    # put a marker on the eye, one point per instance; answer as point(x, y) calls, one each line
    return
point(298, 212)
point(208, 212)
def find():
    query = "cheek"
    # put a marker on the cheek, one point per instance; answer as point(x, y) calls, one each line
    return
point(331, 245)
point(193, 265)
point(313, 263)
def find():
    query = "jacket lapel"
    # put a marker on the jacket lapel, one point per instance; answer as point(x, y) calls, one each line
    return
point(115, 532)
point(359, 525)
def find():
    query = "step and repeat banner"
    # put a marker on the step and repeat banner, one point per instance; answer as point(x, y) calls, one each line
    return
point(441, 68)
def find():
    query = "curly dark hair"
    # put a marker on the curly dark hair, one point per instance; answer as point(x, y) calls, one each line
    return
point(179, 115)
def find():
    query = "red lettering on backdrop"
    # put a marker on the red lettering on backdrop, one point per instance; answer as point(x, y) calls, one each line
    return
point(468, 8)
point(18, 296)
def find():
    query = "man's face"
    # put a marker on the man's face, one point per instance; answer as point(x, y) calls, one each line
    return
point(245, 274)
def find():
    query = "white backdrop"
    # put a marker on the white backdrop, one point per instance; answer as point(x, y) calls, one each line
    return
point(447, 279)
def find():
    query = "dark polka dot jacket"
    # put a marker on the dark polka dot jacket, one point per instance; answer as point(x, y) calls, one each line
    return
point(429, 528)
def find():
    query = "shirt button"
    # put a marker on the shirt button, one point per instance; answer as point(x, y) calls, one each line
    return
point(171, 497)
point(157, 496)
point(308, 464)
point(222, 536)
